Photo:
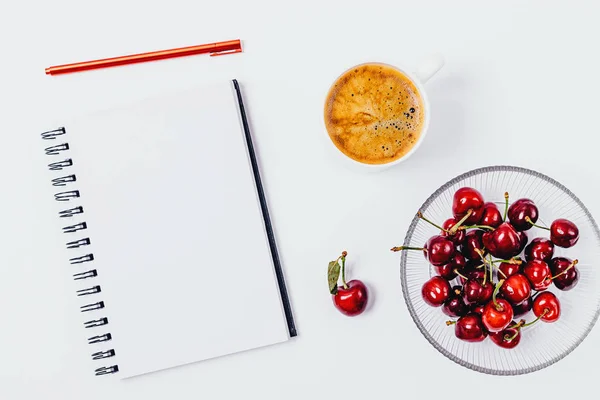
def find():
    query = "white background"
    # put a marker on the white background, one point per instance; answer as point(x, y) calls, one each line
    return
point(520, 87)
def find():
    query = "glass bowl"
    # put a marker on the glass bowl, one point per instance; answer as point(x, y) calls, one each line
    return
point(542, 344)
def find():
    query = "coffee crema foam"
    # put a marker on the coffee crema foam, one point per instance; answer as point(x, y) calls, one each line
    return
point(374, 114)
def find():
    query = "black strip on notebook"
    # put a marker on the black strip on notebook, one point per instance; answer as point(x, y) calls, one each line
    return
point(265, 212)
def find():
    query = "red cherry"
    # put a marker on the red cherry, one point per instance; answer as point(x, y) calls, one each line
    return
point(469, 328)
point(503, 242)
point(458, 237)
point(447, 271)
point(351, 301)
point(439, 250)
point(474, 291)
point(547, 304)
point(508, 269)
point(564, 233)
point(491, 215)
point(523, 308)
point(435, 291)
point(523, 239)
point(474, 275)
point(478, 309)
point(516, 288)
point(466, 199)
point(472, 242)
point(508, 338)
point(539, 249)
point(471, 266)
point(455, 306)
point(496, 317)
point(487, 290)
point(519, 213)
point(538, 273)
point(471, 292)
point(566, 275)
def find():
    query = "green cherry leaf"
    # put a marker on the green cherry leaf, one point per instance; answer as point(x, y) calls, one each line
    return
point(333, 274)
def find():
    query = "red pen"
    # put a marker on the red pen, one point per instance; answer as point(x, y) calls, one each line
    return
point(215, 49)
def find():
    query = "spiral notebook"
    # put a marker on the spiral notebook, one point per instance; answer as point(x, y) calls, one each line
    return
point(168, 235)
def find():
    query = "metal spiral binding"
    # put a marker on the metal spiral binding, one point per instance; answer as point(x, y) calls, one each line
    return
point(95, 322)
point(71, 194)
point(100, 338)
point(92, 290)
point(70, 212)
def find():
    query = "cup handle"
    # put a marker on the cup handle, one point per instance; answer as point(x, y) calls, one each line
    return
point(429, 67)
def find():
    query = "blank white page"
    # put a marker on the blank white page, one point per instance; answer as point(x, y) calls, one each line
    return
point(176, 231)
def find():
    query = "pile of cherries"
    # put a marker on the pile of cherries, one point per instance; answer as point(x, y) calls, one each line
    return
point(479, 251)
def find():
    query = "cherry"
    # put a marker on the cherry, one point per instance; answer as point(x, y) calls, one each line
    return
point(352, 300)
point(565, 273)
point(466, 199)
point(471, 292)
point(478, 309)
point(521, 212)
point(510, 268)
point(447, 271)
point(487, 290)
point(523, 238)
point(538, 273)
point(491, 215)
point(539, 249)
point(497, 315)
point(475, 275)
point(564, 233)
point(516, 288)
point(469, 328)
point(438, 250)
point(435, 291)
point(473, 242)
point(476, 289)
point(457, 237)
point(523, 308)
point(508, 338)
point(546, 306)
point(471, 266)
point(503, 242)
point(455, 306)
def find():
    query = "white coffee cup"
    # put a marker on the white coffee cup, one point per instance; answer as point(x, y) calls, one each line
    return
point(428, 68)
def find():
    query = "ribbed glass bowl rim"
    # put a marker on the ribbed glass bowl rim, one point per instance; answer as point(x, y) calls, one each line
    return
point(403, 259)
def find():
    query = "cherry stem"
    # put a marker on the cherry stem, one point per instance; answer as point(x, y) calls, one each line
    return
point(461, 275)
point(448, 323)
point(477, 226)
point(453, 230)
point(505, 205)
point(343, 257)
point(478, 251)
point(574, 263)
point(420, 215)
point(511, 338)
point(537, 226)
point(518, 327)
point(511, 261)
point(496, 290)
point(492, 269)
point(399, 248)
point(500, 271)
point(546, 311)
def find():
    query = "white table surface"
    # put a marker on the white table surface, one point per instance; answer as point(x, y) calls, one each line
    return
point(520, 86)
